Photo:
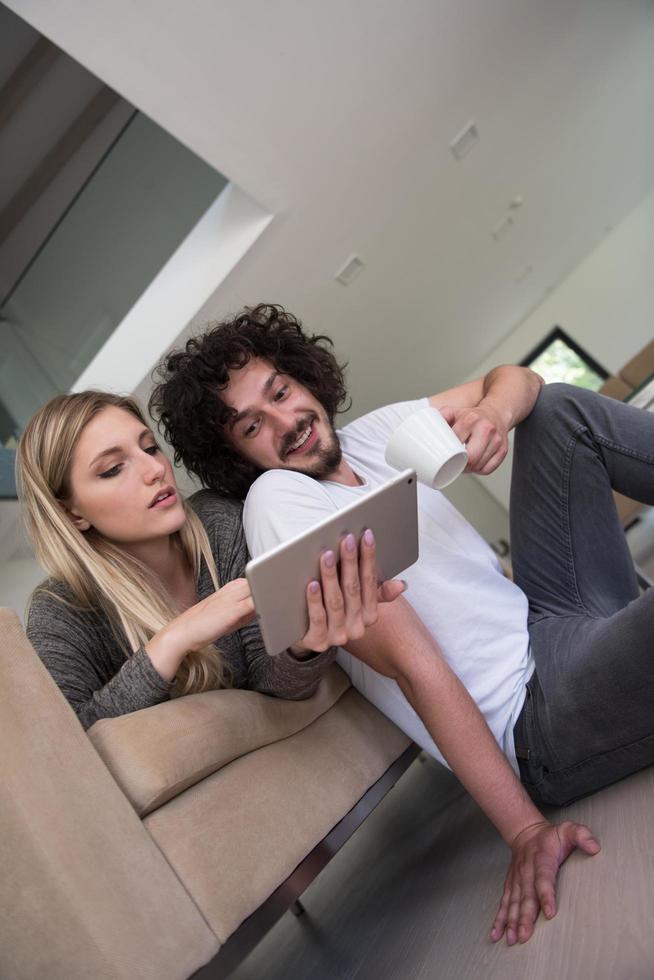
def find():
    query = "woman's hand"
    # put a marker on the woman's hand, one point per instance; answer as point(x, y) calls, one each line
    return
point(343, 607)
point(219, 614)
point(538, 852)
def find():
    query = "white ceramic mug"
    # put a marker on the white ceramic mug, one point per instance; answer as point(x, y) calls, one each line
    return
point(425, 443)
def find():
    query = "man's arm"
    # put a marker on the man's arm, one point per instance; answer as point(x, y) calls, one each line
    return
point(483, 412)
point(400, 646)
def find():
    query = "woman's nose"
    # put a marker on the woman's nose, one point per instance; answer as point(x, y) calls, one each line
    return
point(154, 468)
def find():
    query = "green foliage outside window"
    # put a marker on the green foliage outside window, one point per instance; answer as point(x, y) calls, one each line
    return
point(558, 362)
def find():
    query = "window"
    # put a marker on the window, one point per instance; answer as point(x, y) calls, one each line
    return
point(559, 358)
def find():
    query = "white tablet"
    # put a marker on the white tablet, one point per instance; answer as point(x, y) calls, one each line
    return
point(278, 579)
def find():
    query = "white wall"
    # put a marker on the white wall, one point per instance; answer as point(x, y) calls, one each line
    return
point(486, 514)
point(606, 305)
point(19, 570)
point(17, 580)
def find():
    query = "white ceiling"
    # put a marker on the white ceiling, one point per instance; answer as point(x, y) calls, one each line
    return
point(337, 117)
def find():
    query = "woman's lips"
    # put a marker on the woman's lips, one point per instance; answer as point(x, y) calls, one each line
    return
point(166, 502)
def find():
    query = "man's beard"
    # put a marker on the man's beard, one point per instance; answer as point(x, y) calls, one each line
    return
point(321, 461)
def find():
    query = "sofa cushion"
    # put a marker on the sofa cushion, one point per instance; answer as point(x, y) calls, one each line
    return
point(158, 752)
point(236, 836)
point(85, 894)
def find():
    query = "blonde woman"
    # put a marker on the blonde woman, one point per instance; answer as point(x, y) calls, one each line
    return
point(146, 596)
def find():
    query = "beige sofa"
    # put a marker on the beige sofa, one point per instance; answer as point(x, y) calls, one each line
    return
point(137, 849)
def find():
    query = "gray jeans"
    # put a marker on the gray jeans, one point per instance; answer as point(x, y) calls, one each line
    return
point(588, 719)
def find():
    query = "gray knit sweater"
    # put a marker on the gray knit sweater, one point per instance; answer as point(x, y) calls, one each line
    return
point(94, 669)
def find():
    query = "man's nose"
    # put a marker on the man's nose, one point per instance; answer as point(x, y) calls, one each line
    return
point(281, 419)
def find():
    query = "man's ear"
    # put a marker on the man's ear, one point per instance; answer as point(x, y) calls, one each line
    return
point(76, 519)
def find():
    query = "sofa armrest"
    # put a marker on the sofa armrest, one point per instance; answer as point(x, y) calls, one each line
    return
point(158, 752)
point(84, 891)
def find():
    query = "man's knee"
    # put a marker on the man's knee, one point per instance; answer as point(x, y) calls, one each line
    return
point(557, 395)
point(557, 402)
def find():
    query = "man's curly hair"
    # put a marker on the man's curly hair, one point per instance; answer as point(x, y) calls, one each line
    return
point(186, 401)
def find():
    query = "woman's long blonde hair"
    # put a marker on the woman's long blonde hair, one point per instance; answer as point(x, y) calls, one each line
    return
point(100, 575)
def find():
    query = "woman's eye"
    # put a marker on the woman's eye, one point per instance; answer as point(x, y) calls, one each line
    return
point(152, 450)
point(114, 471)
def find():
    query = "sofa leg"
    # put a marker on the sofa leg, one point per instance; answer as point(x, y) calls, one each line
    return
point(297, 908)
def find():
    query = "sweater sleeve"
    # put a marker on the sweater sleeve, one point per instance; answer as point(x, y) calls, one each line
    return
point(283, 676)
point(90, 669)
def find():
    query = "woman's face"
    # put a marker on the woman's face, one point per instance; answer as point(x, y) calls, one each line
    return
point(121, 483)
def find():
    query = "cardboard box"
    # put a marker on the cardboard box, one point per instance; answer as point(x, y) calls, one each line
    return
point(639, 368)
point(615, 387)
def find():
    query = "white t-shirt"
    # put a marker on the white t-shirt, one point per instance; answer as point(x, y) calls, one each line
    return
point(477, 616)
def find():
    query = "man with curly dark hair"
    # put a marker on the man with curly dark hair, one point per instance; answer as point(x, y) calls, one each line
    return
point(249, 407)
point(196, 418)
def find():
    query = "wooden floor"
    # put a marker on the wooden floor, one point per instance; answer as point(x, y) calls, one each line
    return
point(412, 896)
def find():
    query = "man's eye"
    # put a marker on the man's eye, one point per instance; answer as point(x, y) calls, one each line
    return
point(250, 431)
point(114, 471)
point(281, 393)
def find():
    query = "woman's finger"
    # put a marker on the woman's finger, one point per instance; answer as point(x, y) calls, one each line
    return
point(316, 637)
point(332, 598)
point(368, 577)
point(351, 585)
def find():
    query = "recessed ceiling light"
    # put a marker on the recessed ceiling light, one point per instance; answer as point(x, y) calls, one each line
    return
point(350, 270)
point(464, 141)
point(502, 226)
point(523, 274)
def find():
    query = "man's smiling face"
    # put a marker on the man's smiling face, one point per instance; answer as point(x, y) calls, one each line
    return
point(279, 424)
